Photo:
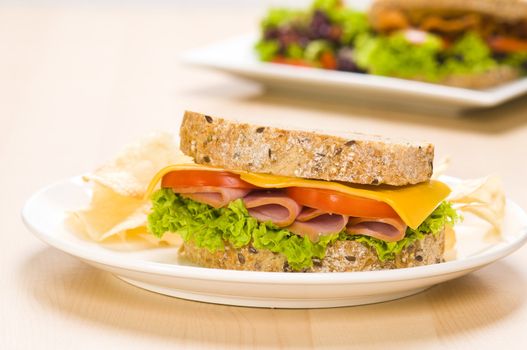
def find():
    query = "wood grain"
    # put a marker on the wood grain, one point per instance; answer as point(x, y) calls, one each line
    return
point(78, 82)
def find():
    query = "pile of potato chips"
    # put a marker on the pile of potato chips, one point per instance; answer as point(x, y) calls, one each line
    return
point(482, 197)
point(118, 210)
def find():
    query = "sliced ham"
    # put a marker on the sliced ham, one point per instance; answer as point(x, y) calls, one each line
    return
point(314, 223)
point(274, 206)
point(387, 229)
point(216, 197)
point(309, 213)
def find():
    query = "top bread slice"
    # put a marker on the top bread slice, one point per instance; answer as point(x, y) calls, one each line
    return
point(354, 158)
point(502, 12)
point(490, 78)
point(506, 10)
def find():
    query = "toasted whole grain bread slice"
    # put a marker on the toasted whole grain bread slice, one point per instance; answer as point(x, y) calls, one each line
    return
point(492, 77)
point(484, 80)
point(351, 157)
point(505, 10)
point(341, 256)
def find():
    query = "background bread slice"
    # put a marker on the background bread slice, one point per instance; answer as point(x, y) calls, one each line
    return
point(509, 10)
point(490, 78)
point(356, 158)
point(342, 256)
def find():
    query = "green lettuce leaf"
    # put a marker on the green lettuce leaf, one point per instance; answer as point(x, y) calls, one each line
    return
point(516, 60)
point(330, 7)
point(212, 228)
point(267, 49)
point(469, 55)
point(278, 17)
point(315, 48)
point(394, 55)
point(353, 24)
point(294, 51)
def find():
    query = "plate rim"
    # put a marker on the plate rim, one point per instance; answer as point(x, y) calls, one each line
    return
point(502, 249)
point(482, 98)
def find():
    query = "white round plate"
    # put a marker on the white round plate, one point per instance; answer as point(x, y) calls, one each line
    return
point(159, 269)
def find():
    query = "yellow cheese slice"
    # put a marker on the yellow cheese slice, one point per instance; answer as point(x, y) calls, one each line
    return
point(413, 203)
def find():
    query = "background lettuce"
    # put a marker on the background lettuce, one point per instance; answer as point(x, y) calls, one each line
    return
point(469, 55)
point(394, 55)
point(277, 17)
point(351, 22)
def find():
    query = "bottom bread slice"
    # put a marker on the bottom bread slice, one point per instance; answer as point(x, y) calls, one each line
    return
point(341, 256)
point(493, 77)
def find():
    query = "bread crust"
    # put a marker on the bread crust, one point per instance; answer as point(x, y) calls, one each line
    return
point(508, 10)
point(488, 79)
point(354, 158)
point(341, 256)
point(492, 77)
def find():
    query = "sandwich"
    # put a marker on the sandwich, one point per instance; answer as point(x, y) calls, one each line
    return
point(471, 44)
point(262, 198)
point(464, 43)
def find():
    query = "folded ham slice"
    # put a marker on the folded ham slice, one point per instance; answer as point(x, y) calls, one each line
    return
point(273, 206)
point(309, 213)
point(216, 197)
point(314, 223)
point(387, 229)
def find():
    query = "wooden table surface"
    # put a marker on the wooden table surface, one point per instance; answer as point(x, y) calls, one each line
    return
point(78, 82)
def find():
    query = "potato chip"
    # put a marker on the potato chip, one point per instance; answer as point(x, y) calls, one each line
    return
point(110, 213)
point(482, 197)
point(450, 238)
point(441, 167)
point(131, 171)
point(118, 212)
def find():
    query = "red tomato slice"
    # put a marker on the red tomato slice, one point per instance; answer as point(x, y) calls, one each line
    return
point(328, 61)
point(341, 203)
point(198, 178)
point(291, 61)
